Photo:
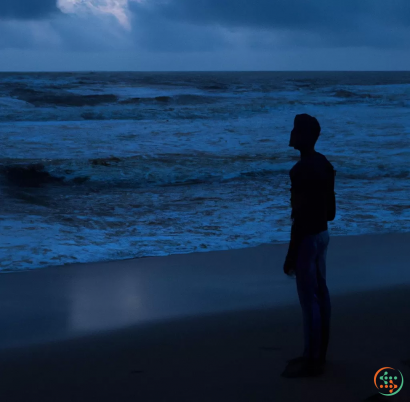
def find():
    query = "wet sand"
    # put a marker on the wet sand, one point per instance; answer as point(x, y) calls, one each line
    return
point(213, 326)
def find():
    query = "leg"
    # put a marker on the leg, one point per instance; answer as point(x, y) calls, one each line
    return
point(308, 291)
point(315, 303)
point(323, 292)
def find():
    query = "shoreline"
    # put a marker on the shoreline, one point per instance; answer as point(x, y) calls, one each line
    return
point(273, 243)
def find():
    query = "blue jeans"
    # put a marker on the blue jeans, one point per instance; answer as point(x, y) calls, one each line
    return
point(314, 294)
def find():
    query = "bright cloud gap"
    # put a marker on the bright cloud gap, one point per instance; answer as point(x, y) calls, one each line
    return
point(118, 8)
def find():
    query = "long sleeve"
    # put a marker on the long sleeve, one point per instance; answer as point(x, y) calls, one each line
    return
point(331, 198)
point(296, 234)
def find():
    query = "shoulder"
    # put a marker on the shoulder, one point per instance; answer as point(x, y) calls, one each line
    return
point(313, 166)
point(297, 167)
point(322, 158)
point(322, 164)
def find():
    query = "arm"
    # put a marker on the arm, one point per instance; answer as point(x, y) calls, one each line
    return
point(297, 201)
point(331, 199)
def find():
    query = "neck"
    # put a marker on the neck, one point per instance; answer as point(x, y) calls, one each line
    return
point(306, 152)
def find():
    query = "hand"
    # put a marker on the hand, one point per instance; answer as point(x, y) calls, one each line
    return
point(289, 268)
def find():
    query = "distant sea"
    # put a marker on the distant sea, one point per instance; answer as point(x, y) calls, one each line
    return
point(104, 166)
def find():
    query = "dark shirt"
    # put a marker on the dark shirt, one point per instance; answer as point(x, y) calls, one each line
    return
point(312, 194)
point(312, 197)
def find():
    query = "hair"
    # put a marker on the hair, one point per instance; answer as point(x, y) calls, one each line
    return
point(309, 126)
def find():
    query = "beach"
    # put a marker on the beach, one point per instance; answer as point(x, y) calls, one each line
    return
point(205, 326)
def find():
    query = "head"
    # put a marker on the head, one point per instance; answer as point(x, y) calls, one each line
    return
point(305, 132)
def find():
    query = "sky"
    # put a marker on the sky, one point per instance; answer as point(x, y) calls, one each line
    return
point(199, 35)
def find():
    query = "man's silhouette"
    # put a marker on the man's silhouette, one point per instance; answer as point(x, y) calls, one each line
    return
point(313, 205)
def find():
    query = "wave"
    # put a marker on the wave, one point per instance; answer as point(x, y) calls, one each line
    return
point(215, 87)
point(343, 93)
point(140, 171)
point(166, 170)
point(374, 175)
point(67, 99)
point(186, 99)
point(32, 175)
point(43, 98)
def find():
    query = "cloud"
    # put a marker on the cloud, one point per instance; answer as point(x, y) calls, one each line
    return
point(116, 8)
point(65, 33)
point(155, 33)
point(191, 26)
point(377, 23)
point(27, 9)
point(279, 13)
point(98, 25)
point(77, 25)
point(24, 34)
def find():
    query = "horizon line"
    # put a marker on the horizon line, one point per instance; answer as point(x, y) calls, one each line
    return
point(203, 71)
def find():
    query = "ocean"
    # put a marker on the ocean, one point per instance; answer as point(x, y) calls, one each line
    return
point(105, 166)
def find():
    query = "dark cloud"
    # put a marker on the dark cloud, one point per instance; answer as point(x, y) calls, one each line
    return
point(281, 13)
point(153, 32)
point(245, 13)
point(27, 9)
point(194, 26)
point(347, 22)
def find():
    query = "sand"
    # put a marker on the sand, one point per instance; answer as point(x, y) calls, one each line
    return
point(215, 326)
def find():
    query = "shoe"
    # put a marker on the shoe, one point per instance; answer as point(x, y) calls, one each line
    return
point(306, 368)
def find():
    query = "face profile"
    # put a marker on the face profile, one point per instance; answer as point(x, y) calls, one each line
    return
point(296, 140)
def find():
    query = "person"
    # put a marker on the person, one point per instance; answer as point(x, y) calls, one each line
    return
point(313, 205)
